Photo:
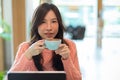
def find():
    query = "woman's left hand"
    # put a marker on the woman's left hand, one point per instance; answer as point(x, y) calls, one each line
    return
point(63, 50)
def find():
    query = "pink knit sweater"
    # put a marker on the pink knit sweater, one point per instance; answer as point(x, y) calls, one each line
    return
point(71, 65)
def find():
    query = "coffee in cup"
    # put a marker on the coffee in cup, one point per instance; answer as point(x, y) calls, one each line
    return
point(52, 44)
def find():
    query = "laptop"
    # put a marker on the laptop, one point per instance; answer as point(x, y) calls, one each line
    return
point(37, 75)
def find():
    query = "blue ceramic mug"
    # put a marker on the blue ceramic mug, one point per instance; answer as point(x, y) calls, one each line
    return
point(52, 44)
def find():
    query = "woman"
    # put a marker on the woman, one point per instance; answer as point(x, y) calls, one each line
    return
point(33, 56)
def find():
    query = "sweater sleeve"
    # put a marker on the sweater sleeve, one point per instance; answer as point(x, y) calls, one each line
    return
point(21, 63)
point(71, 65)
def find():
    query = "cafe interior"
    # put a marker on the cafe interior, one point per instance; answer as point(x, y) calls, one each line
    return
point(94, 26)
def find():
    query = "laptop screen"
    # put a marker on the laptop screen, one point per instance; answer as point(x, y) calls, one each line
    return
point(37, 75)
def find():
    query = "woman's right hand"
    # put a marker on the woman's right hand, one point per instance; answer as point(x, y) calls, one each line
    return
point(35, 49)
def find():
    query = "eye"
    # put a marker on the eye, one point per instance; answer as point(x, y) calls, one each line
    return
point(54, 21)
point(43, 21)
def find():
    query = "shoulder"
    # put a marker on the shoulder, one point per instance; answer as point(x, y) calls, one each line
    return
point(21, 49)
point(24, 45)
point(72, 46)
point(69, 41)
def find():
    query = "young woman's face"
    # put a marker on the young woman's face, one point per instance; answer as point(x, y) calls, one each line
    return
point(49, 26)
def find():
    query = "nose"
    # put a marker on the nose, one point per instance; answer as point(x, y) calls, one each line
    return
point(49, 27)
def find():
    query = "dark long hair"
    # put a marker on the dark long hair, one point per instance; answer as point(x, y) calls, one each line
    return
point(38, 17)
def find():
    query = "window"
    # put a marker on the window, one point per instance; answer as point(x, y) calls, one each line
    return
point(111, 16)
point(79, 13)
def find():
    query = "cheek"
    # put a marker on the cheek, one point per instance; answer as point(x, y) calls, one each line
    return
point(40, 30)
point(56, 30)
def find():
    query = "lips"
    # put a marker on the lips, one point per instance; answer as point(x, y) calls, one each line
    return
point(49, 35)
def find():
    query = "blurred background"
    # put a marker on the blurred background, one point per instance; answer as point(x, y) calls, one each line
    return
point(94, 25)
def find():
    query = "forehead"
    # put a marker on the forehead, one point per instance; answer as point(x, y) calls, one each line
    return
point(50, 15)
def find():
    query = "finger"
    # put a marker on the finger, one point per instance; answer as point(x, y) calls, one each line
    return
point(40, 43)
point(64, 52)
point(64, 55)
point(62, 45)
point(60, 50)
point(57, 51)
point(64, 49)
point(41, 47)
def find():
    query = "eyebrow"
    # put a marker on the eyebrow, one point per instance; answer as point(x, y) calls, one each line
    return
point(54, 18)
point(51, 19)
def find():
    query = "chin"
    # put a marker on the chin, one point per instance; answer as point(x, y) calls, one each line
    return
point(49, 37)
